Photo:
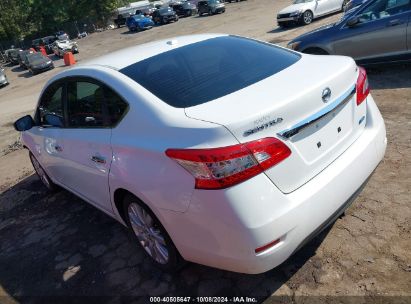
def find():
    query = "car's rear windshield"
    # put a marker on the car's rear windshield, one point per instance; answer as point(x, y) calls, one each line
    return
point(200, 72)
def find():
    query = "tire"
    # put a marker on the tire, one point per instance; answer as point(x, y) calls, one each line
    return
point(307, 17)
point(42, 175)
point(147, 231)
point(344, 5)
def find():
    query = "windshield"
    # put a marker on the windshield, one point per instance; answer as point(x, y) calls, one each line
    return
point(138, 17)
point(301, 1)
point(215, 1)
point(34, 57)
point(165, 10)
point(200, 72)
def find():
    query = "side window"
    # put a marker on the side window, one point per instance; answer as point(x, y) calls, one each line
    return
point(85, 105)
point(383, 9)
point(50, 110)
point(115, 105)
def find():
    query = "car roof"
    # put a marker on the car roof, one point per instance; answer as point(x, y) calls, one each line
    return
point(128, 56)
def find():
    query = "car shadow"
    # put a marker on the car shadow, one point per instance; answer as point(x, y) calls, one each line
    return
point(389, 76)
point(17, 69)
point(55, 244)
point(26, 74)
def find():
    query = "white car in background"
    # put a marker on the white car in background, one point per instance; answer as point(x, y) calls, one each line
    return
point(215, 149)
point(305, 11)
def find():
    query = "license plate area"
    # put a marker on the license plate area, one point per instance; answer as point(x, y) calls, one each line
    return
point(321, 137)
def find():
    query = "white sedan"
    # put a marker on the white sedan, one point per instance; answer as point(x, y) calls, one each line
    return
point(214, 149)
point(305, 11)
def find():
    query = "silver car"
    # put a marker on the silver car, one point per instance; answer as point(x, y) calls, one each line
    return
point(3, 78)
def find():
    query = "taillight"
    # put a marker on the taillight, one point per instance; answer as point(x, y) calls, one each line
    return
point(220, 168)
point(363, 88)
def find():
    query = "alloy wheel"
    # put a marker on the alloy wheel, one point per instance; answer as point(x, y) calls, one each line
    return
point(308, 18)
point(148, 233)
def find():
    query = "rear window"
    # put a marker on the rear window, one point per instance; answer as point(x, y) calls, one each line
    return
point(207, 70)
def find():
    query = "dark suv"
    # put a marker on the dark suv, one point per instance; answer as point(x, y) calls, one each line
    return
point(184, 9)
point(211, 7)
point(164, 15)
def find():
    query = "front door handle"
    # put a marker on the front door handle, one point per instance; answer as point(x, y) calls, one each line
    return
point(98, 159)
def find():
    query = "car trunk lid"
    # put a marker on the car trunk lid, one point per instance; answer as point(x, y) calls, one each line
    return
point(290, 106)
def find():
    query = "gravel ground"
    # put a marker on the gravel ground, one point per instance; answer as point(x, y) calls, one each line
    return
point(57, 245)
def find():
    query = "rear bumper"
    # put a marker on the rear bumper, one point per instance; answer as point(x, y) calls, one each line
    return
point(222, 228)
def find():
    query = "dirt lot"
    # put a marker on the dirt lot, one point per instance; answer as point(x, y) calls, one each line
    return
point(57, 245)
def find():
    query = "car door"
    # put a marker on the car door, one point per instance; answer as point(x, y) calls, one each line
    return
point(381, 31)
point(322, 7)
point(46, 144)
point(86, 147)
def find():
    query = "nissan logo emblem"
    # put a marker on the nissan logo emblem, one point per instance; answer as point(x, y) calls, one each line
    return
point(326, 95)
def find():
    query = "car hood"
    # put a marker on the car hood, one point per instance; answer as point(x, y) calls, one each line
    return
point(294, 7)
point(145, 20)
point(66, 44)
point(38, 62)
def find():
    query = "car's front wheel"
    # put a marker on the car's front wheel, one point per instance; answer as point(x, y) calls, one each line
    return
point(148, 232)
point(45, 179)
point(307, 17)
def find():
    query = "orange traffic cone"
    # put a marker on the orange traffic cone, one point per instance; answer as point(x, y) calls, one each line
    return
point(69, 58)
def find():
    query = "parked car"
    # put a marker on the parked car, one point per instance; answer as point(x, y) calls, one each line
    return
point(3, 78)
point(305, 11)
point(374, 33)
point(165, 140)
point(47, 43)
point(64, 46)
point(210, 7)
point(62, 35)
point(139, 23)
point(146, 11)
point(13, 55)
point(229, 1)
point(82, 35)
point(184, 9)
point(38, 63)
point(22, 58)
point(121, 19)
point(164, 15)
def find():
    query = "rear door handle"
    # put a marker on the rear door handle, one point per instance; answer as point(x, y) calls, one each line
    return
point(98, 159)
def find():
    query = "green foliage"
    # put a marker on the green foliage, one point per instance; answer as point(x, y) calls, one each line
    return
point(20, 18)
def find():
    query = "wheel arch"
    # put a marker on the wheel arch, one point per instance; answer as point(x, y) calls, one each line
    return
point(118, 198)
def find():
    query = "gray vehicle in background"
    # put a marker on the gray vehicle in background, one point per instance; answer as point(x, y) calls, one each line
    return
point(3, 78)
point(378, 31)
point(210, 7)
point(38, 63)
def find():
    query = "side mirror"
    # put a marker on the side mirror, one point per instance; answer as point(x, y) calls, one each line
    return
point(23, 124)
point(352, 21)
